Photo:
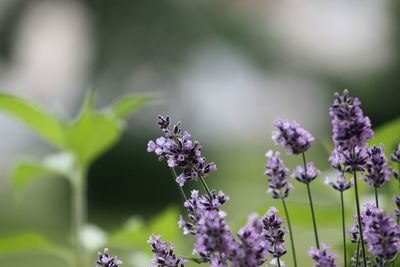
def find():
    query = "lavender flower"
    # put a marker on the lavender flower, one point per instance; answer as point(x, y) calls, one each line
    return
point(340, 184)
point(277, 173)
point(295, 139)
point(370, 211)
point(107, 261)
point(274, 231)
point(396, 200)
point(395, 157)
point(323, 258)
point(180, 151)
point(350, 127)
point(378, 171)
point(306, 177)
point(163, 253)
point(251, 251)
point(214, 239)
point(382, 236)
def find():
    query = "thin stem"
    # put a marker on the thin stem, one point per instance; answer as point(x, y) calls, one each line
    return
point(376, 197)
point(344, 230)
point(203, 182)
point(180, 189)
point(359, 219)
point(311, 204)
point(358, 253)
point(279, 262)
point(79, 216)
point(290, 231)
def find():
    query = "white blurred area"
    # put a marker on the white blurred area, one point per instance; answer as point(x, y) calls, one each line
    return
point(218, 86)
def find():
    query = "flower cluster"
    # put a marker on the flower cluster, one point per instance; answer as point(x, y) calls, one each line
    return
point(382, 236)
point(322, 258)
point(378, 171)
point(295, 139)
point(214, 239)
point(381, 233)
point(395, 157)
point(163, 253)
point(277, 173)
point(274, 231)
point(350, 127)
point(251, 250)
point(180, 151)
point(396, 200)
point(106, 261)
point(307, 175)
point(340, 184)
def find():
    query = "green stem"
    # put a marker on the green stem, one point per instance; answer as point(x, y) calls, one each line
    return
point(279, 262)
point(180, 189)
point(79, 216)
point(203, 182)
point(358, 253)
point(344, 230)
point(290, 231)
point(376, 197)
point(359, 219)
point(311, 204)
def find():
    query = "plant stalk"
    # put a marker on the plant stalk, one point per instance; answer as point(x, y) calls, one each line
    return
point(311, 204)
point(290, 231)
point(180, 189)
point(359, 219)
point(344, 230)
point(203, 182)
point(79, 213)
point(376, 197)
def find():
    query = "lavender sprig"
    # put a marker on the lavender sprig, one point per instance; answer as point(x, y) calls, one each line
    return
point(277, 174)
point(163, 253)
point(323, 258)
point(274, 231)
point(105, 260)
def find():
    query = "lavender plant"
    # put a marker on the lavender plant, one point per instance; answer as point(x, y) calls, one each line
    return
point(262, 240)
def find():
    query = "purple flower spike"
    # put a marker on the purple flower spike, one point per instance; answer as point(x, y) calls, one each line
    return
point(306, 178)
point(396, 200)
point(180, 151)
point(295, 139)
point(277, 176)
point(382, 236)
point(340, 184)
point(107, 261)
point(163, 253)
point(378, 171)
point(274, 231)
point(395, 157)
point(350, 127)
point(251, 250)
point(323, 258)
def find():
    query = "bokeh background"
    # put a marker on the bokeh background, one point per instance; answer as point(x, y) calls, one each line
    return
point(226, 69)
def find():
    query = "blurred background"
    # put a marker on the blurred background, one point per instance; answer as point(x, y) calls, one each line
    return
point(226, 69)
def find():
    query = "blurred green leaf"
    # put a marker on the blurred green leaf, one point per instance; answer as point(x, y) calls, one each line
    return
point(57, 165)
point(134, 233)
point(165, 224)
point(37, 119)
point(31, 243)
point(92, 134)
point(389, 135)
point(124, 106)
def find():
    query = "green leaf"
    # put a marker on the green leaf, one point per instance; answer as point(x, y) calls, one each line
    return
point(389, 135)
point(134, 233)
point(196, 260)
point(92, 134)
point(37, 119)
point(124, 106)
point(31, 243)
point(57, 165)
